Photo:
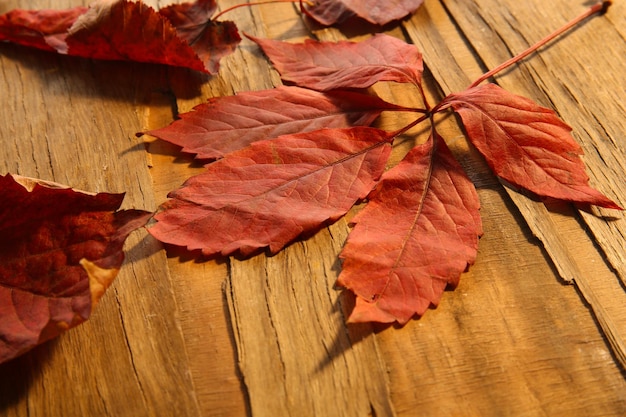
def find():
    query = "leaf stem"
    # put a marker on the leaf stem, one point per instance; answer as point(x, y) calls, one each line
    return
point(254, 3)
point(596, 8)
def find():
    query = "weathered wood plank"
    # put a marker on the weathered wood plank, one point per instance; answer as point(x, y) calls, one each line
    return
point(197, 284)
point(574, 84)
point(492, 399)
point(521, 329)
point(295, 353)
point(553, 78)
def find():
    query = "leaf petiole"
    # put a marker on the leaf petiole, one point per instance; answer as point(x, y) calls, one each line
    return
point(600, 8)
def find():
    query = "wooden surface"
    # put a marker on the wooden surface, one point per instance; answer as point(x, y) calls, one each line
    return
point(267, 336)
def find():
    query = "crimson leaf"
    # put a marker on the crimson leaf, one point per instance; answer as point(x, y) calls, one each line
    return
point(42, 29)
point(227, 124)
point(419, 231)
point(416, 235)
point(329, 12)
point(126, 30)
point(325, 66)
point(59, 251)
point(268, 194)
point(211, 40)
point(525, 144)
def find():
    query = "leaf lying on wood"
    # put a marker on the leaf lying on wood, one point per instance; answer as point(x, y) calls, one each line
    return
point(525, 144)
point(420, 228)
point(227, 124)
point(329, 12)
point(325, 66)
point(179, 35)
point(417, 234)
point(273, 191)
point(42, 29)
point(59, 251)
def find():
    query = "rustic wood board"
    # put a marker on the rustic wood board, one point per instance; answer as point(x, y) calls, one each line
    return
point(267, 335)
point(569, 89)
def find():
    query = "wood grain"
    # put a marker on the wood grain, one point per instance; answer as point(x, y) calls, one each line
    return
point(73, 121)
point(186, 336)
point(321, 368)
point(581, 104)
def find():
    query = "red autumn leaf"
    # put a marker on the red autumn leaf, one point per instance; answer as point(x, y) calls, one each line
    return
point(416, 235)
point(59, 251)
point(268, 194)
point(189, 19)
point(209, 39)
point(525, 144)
point(227, 124)
point(125, 30)
point(325, 66)
point(42, 29)
point(329, 12)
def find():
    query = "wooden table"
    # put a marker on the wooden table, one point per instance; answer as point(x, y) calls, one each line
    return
point(266, 336)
